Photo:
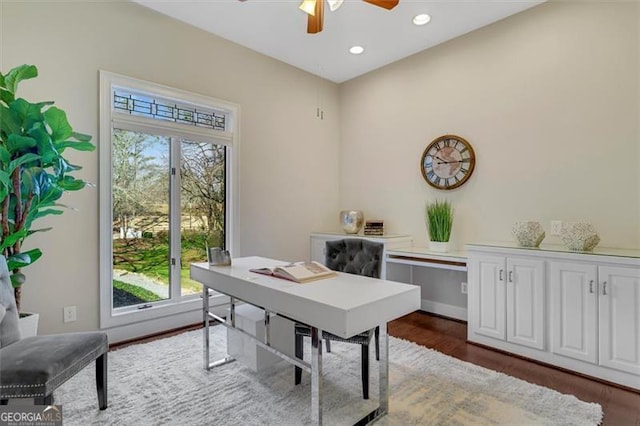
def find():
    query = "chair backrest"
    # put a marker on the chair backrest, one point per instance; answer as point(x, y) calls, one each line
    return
point(354, 256)
point(9, 330)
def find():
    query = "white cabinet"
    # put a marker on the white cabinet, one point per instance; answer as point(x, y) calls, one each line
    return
point(525, 302)
point(619, 305)
point(243, 348)
point(486, 293)
point(575, 310)
point(319, 241)
point(506, 299)
point(595, 314)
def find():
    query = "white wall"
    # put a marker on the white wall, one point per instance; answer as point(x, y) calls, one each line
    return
point(549, 100)
point(288, 167)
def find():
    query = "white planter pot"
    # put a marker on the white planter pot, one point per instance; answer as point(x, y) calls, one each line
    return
point(438, 246)
point(28, 324)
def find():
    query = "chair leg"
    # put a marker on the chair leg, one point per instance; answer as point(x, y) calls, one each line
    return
point(365, 371)
point(46, 400)
point(328, 344)
point(299, 354)
point(101, 380)
point(4, 401)
point(377, 337)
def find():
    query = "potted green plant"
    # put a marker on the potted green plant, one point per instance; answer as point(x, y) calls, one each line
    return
point(33, 172)
point(439, 218)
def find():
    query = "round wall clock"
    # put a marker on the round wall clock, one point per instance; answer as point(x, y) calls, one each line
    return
point(447, 162)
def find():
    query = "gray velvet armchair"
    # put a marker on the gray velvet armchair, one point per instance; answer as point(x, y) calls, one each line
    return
point(353, 256)
point(35, 366)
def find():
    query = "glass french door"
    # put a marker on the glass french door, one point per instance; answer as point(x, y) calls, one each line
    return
point(168, 205)
point(202, 205)
point(141, 218)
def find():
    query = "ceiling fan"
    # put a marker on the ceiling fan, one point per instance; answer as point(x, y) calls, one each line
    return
point(315, 9)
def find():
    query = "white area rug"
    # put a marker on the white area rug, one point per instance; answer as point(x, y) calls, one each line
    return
point(164, 383)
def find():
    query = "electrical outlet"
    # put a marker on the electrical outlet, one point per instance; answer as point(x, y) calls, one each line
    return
point(556, 227)
point(69, 313)
point(463, 288)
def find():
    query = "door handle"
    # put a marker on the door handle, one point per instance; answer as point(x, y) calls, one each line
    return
point(510, 276)
point(501, 276)
point(604, 288)
point(591, 286)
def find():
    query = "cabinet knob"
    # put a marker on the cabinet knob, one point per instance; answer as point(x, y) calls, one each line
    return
point(604, 288)
point(591, 286)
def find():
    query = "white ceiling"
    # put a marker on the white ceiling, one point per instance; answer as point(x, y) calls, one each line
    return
point(277, 28)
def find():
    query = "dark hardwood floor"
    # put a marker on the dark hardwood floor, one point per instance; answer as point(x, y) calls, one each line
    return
point(621, 407)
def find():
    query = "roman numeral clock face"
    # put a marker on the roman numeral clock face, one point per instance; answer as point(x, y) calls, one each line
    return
point(448, 162)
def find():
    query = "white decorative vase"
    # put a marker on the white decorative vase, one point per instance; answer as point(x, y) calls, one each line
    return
point(439, 246)
point(28, 324)
point(351, 221)
point(528, 234)
point(579, 236)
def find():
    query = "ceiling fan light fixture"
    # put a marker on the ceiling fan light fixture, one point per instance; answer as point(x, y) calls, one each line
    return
point(309, 7)
point(334, 4)
point(421, 19)
point(356, 50)
point(315, 15)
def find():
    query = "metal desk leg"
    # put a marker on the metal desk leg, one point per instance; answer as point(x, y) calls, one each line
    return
point(383, 381)
point(205, 318)
point(208, 365)
point(383, 341)
point(316, 376)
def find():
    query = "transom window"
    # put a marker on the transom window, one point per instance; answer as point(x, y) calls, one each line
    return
point(165, 110)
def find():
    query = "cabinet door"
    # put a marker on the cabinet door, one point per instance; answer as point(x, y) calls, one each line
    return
point(525, 302)
point(619, 304)
point(487, 296)
point(574, 299)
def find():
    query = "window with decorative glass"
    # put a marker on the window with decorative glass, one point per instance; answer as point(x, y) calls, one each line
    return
point(166, 194)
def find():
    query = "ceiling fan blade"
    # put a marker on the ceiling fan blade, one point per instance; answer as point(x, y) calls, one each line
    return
point(387, 4)
point(314, 22)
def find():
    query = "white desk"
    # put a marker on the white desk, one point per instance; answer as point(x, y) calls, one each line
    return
point(345, 305)
point(422, 256)
point(442, 291)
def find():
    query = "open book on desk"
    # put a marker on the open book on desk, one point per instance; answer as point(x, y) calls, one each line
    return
point(301, 272)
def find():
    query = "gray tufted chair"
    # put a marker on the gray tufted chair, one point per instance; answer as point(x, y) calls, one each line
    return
point(353, 256)
point(35, 366)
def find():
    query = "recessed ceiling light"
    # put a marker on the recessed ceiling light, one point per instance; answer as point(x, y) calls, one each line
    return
point(421, 19)
point(356, 50)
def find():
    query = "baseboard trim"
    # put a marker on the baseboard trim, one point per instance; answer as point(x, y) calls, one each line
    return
point(157, 326)
point(155, 336)
point(449, 311)
point(556, 367)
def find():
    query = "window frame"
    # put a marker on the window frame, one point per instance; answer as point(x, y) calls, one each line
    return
point(110, 118)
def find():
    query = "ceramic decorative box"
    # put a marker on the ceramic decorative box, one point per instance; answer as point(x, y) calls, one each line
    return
point(579, 236)
point(528, 234)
